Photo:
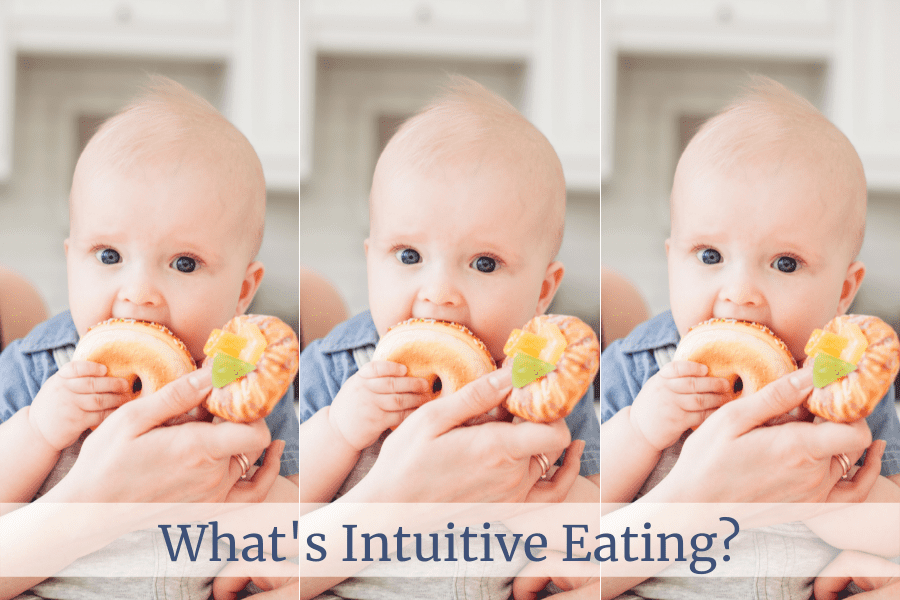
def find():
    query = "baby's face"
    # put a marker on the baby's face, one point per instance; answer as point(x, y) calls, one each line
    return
point(767, 245)
point(463, 245)
point(157, 244)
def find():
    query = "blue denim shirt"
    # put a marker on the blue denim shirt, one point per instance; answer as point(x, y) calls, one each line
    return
point(327, 363)
point(28, 362)
point(628, 363)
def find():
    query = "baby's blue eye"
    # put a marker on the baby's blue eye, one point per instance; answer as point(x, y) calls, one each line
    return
point(786, 264)
point(485, 264)
point(185, 264)
point(408, 256)
point(709, 256)
point(108, 256)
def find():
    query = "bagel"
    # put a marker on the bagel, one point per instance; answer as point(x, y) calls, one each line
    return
point(445, 354)
point(254, 395)
point(747, 354)
point(855, 395)
point(145, 354)
point(554, 395)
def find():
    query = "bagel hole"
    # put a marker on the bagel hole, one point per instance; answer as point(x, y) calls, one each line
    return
point(136, 386)
point(738, 385)
point(436, 386)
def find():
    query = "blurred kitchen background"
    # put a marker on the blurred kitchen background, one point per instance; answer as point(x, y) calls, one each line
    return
point(366, 66)
point(66, 66)
point(669, 64)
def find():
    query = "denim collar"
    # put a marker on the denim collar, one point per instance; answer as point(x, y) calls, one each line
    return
point(356, 332)
point(658, 332)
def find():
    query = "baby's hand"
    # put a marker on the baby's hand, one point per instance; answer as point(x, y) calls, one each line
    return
point(79, 396)
point(379, 396)
point(677, 398)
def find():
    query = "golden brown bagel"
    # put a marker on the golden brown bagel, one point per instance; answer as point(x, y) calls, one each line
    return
point(747, 354)
point(254, 395)
point(554, 395)
point(145, 354)
point(445, 354)
point(856, 395)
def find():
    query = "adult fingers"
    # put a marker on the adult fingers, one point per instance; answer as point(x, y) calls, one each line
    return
point(859, 486)
point(229, 439)
point(256, 488)
point(474, 399)
point(528, 439)
point(777, 398)
point(557, 487)
point(830, 439)
point(176, 398)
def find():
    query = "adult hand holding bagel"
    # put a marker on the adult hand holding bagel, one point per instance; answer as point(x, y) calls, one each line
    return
point(734, 457)
point(131, 458)
point(431, 458)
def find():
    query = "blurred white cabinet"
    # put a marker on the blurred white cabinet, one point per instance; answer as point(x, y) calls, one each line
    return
point(557, 40)
point(777, 28)
point(198, 28)
point(499, 28)
point(257, 41)
point(865, 83)
point(564, 86)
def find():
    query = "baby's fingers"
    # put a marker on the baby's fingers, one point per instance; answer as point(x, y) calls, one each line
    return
point(397, 385)
point(88, 385)
point(698, 385)
point(683, 368)
point(400, 402)
point(382, 368)
point(82, 368)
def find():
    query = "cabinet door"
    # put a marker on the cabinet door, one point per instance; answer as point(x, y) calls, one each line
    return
point(263, 86)
point(564, 86)
point(785, 28)
point(499, 28)
point(865, 87)
point(162, 27)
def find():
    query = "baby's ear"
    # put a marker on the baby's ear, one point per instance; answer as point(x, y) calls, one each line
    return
point(252, 278)
point(856, 272)
point(552, 278)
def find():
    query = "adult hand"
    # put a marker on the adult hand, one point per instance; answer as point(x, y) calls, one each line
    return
point(430, 458)
point(881, 580)
point(733, 458)
point(130, 458)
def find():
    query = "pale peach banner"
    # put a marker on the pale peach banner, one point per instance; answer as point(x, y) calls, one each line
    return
point(432, 540)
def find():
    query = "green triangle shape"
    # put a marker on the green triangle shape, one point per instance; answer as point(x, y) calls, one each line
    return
point(827, 369)
point(227, 369)
point(527, 368)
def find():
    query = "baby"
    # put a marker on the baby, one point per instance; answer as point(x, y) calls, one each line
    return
point(467, 214)
point(768, 212)
point(167, 211)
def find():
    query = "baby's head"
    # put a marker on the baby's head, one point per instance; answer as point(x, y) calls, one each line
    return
point(467, 212)
point(166, 215)
point(768, 214)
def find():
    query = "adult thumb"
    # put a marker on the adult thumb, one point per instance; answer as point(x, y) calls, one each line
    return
point(172, 400)
point(472, 400)
point(779, 397)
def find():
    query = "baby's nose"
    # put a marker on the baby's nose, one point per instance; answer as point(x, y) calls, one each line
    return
point(440, 290)
point(140, 289)
point(741, 288)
